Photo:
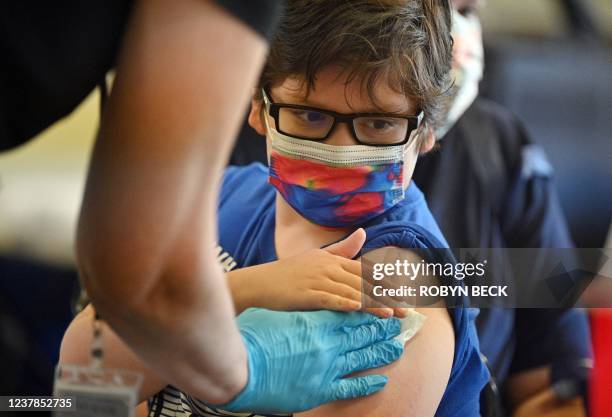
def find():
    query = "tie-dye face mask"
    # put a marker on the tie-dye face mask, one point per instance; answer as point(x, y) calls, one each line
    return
point(339, 186)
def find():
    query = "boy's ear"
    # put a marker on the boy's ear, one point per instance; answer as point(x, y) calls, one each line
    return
point(428, 142)
point(256, 117)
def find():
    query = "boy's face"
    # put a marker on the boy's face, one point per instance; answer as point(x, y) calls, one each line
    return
point(332, 92)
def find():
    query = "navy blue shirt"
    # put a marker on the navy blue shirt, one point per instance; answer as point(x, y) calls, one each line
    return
point(55, 53)
point(246, 233)
point(513, 204)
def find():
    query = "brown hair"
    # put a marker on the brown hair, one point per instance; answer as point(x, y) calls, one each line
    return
point(406, 40)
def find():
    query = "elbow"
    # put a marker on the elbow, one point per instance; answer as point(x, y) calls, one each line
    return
point(219, 389)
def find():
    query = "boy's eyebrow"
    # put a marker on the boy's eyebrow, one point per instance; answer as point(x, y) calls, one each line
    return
point(301, 100)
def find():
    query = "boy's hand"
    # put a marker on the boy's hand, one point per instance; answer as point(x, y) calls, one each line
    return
point(318, 279)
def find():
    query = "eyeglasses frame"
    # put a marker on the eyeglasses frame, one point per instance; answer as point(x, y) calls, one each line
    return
point(273, 109)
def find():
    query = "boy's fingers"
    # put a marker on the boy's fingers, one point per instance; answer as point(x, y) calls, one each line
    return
point(346, 278)
point(338, 288)
point(327, 301)
point(380, 312)
point(351, 266)
point(349, 247)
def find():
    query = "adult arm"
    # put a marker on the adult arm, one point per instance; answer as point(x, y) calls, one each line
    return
point(531, 394)
point(147, 224)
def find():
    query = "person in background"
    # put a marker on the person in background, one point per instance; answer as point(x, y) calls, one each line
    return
point(489, 185)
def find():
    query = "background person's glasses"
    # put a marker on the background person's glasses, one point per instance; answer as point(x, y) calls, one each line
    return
point(309, 123)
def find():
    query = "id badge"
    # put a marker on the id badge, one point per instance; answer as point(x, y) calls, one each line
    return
point(97, 392)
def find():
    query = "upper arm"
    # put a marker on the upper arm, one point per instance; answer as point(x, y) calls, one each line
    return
point(416, 382)
point(419, 378)
point(76, 349)
point(183, 81)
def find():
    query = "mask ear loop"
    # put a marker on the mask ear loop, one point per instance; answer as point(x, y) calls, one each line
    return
point(265, 114)
point(266, 109)
point(415, 135)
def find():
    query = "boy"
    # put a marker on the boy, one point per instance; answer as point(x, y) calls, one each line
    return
point(339, 102)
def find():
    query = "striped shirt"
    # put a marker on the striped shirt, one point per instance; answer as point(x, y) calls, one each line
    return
point(170, 402)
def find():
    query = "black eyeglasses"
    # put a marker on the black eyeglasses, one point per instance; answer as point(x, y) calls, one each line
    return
point(310, 123)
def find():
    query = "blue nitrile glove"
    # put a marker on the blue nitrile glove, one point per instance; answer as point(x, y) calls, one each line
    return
point(297, 360)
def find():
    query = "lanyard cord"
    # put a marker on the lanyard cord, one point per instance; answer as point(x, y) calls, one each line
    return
point(97, 351)
point(97, 354)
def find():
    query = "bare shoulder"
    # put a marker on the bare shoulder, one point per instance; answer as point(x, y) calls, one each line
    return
point(416, 382)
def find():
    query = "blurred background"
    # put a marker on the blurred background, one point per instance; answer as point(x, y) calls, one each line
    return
point(549, 61)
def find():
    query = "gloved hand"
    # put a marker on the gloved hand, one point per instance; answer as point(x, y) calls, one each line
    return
point(297, 360)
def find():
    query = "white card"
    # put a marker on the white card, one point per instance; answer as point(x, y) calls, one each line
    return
point(97, 392)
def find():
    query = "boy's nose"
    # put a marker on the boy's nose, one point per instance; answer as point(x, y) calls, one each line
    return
point(341, 136)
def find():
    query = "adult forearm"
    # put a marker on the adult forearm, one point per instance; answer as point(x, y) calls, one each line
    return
point(176, 322)
point(147, 225)
point(181, 340)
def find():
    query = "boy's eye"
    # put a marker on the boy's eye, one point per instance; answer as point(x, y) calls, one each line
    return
point(379, 124)
point(381, 130)
point(309, 116)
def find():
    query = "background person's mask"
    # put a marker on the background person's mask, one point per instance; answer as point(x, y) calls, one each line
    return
point(468, 67)
point(339, 186)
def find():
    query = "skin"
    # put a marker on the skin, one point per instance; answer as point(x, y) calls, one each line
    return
point(164, 140)
point(546, 404)
point(530, 394)
point(427, 361)
point(416, 382)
